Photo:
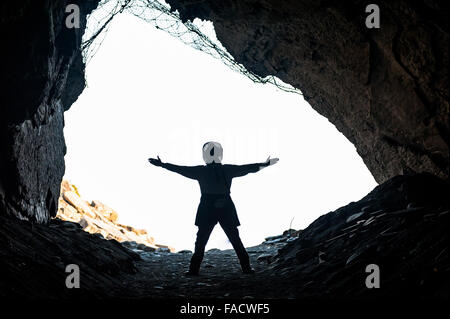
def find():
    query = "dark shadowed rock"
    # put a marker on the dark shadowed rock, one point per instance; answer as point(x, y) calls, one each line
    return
point(385, 89)
point(42, 74)
point(409, 245)
point(33, 260)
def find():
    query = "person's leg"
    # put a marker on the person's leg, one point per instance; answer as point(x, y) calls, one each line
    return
point(202, 238)
point(232, 233)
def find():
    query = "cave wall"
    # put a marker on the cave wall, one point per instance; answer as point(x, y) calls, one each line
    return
point(385, 89)
point(42, 74)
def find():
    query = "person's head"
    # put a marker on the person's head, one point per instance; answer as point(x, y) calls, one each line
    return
point(212, 152)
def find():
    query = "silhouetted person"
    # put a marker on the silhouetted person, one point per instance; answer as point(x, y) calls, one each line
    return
point(215, 203)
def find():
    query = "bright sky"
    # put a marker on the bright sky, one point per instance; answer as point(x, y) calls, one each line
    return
point(149, 94)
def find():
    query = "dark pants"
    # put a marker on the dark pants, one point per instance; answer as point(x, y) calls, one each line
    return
point(202, 238)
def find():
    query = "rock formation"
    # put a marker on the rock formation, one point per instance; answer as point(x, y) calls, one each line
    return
point(34, 257)
point(401, 226)
point(385, 89)
point(97, 218)
point(42, 75)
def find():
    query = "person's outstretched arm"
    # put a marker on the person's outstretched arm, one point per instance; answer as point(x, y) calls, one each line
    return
point(241, 170)
point(186, 171)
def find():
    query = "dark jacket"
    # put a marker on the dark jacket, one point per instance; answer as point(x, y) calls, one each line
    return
point(215, 183)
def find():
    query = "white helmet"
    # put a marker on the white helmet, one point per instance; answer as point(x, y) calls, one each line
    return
point(212, 152)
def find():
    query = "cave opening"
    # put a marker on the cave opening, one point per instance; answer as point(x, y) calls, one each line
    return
point(149, 94)
point(384, 88)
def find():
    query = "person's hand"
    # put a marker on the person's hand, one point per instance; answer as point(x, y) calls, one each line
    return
point(270, 161)
point(155, 161)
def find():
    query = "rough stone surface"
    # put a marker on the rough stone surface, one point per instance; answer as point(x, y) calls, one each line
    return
point(33, 261)
point(385, 89)
point(42, 74)
point(407, 243)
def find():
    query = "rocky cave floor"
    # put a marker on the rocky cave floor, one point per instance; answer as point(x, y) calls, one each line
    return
point(220, 275)
point(401, 226)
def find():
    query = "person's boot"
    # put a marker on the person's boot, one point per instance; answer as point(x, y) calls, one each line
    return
point(245, 264)
point(248, 270)
point(194, 267)
point(193, 270)
point(191, 273)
